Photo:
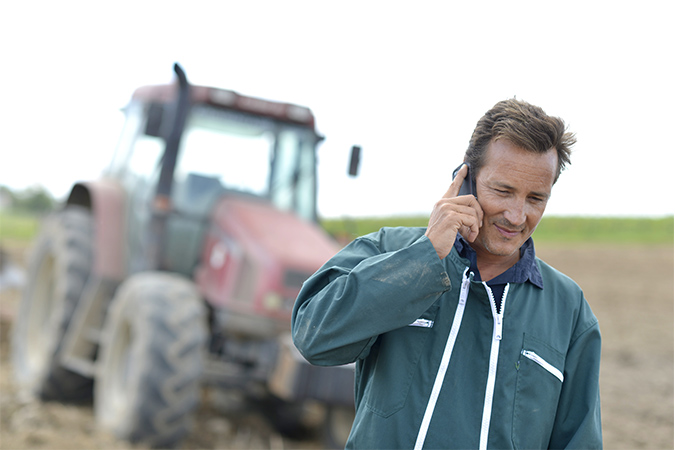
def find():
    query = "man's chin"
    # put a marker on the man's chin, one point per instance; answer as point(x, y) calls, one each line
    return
point(502, 247)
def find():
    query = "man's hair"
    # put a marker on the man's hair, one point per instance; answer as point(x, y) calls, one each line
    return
point(524, 125)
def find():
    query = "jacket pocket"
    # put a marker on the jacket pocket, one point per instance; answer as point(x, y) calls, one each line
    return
point(533, 356)
point(538, 385)
point(398, 353)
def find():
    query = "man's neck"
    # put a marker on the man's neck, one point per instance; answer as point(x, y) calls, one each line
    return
point(490, 265)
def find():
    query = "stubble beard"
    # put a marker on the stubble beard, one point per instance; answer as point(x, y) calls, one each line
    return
point(494, 248)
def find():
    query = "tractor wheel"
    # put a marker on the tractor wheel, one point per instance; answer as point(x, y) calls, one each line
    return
point(151, 360)
point(58, 269)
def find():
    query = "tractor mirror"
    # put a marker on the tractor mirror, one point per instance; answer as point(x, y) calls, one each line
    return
point(354, 161)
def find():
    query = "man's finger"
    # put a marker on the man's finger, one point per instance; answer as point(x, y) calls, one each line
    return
point(453, 190)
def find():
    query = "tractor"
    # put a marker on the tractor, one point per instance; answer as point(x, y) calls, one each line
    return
point(176, 270)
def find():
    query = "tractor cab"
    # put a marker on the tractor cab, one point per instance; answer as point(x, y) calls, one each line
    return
point(228, 145)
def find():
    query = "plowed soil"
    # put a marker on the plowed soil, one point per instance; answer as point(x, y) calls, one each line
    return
point(630, 289)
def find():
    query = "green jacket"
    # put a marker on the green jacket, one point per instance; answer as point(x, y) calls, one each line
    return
point(436, 365)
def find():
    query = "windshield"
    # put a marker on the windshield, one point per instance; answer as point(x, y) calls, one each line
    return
point(219, 152)
point(228, 151)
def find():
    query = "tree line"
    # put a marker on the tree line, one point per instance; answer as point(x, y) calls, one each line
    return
point(35, 199)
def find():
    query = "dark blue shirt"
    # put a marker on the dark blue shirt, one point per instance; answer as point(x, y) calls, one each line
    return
point(525, 270)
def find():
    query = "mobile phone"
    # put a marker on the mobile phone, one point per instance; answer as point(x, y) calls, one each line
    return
point(469, 184)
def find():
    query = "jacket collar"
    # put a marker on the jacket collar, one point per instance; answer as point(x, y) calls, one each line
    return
point(525, 270)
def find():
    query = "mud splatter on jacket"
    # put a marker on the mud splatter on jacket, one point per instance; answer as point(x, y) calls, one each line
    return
point(436, 365)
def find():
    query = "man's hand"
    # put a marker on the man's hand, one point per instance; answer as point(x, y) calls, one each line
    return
point(452, 215)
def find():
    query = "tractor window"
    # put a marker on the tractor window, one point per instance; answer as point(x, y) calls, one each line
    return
point(225, 151)
point(293, 186)
point(136, 165)
point(136, 161)
point(217, 155)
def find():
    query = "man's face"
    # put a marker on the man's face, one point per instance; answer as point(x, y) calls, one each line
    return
point(513, 187)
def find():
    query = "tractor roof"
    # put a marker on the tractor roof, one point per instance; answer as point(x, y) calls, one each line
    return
point(223, 98)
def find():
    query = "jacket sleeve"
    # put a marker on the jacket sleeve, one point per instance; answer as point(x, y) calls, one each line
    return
point(578, 422)
point(367, 289)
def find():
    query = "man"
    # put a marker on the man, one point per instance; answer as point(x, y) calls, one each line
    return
point(462, 338)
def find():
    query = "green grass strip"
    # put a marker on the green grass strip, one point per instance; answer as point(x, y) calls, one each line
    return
point(18, 226)
point(22, 227)
point(551, 229)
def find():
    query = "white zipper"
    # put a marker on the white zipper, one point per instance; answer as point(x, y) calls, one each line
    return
point(543, 363)
point(498, 324)
point(445, 361)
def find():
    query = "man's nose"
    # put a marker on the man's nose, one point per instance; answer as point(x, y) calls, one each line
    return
point(515, 212)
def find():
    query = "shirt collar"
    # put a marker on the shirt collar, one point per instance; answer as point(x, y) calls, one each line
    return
point(526, 269)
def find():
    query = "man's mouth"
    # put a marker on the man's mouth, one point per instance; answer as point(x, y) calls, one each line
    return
point(507, 232)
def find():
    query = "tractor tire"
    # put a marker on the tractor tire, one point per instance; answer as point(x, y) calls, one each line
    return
point(58, 270)
point(151, 360)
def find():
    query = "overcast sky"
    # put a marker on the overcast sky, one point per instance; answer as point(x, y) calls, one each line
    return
point(406, 81)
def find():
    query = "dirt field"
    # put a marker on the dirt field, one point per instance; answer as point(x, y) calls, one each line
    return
point(630, 290)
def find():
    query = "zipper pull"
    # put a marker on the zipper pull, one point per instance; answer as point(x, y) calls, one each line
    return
point(498, 327)
point(500, 315)
point(464, 292)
